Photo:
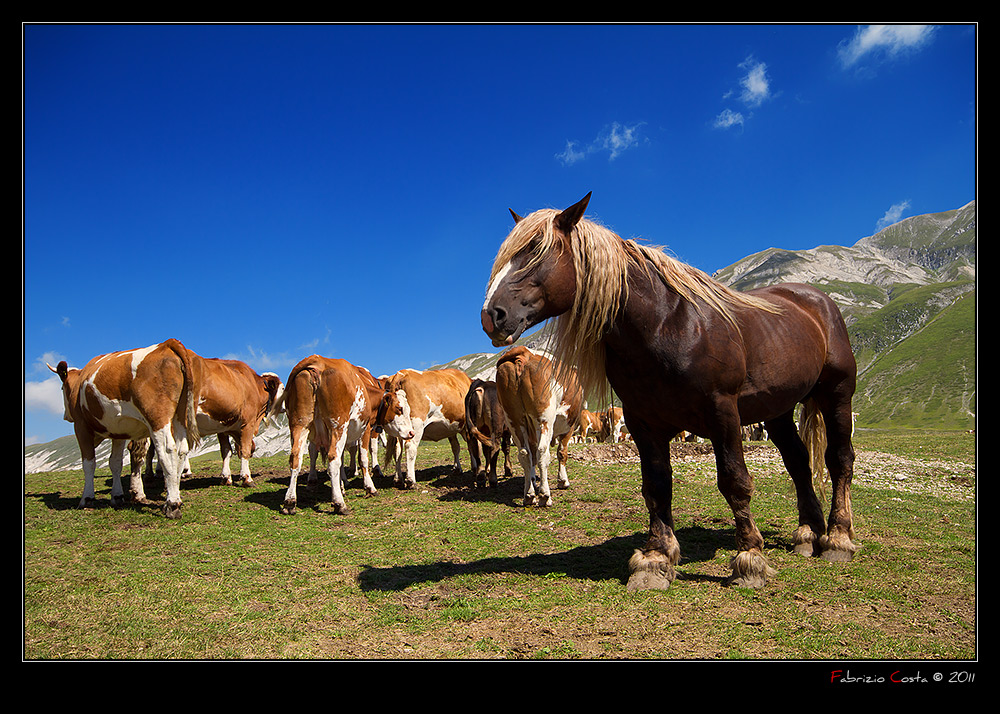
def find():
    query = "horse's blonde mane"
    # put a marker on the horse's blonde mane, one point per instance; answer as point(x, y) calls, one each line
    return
point(601, 259)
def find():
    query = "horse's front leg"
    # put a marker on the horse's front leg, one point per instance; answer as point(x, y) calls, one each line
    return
point(750, 567)
point(652, 566)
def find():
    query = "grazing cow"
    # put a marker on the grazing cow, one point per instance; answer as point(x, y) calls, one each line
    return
point(613, 425)
point(541, 404)
point(234, 402)
point(135, 394)
point(435, 402)
point(334, 404)
point(590, 425)
point(486, 425)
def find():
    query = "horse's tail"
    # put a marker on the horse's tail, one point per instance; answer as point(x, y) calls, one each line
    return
point(812, 431)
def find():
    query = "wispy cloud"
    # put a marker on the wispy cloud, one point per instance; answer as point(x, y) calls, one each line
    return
point(893, 215)
point(889, 41)
point(755, 89)
point(612, 141)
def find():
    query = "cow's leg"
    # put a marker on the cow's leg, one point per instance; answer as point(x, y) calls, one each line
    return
point(562, 453)
point(505, 447)
point(527, 454)
point(138, 452)
point(492, 454)
point(411, 446)
point(366, 474)
point(244, 445)
point(115, 461)
point(477, 462)
point(652, 566)
point(170, 444)
point(335, 461)
point(298, 438)
point(373, 455)
point(225, 450)
point(456, 452)
point(313, 480)
point(543, 455)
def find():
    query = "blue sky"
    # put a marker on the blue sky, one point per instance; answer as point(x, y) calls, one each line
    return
point(270, 192)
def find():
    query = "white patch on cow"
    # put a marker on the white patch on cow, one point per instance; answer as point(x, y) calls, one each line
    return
point(139, 355)
point(495, 284)
point(401, 425)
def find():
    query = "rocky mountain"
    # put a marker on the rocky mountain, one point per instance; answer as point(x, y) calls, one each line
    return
point(908, 294)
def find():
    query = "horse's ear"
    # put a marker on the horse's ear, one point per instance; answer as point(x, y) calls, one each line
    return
point(517, 218)
point(567, 220)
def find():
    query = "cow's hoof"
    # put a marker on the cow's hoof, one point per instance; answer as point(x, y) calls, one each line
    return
point(288, 508)
point(172, 510)
point(341, 509)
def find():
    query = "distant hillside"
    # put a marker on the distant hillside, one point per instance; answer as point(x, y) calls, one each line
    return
point(908, 294)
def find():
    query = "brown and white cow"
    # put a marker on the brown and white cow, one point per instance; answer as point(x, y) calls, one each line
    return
point(613, 425)
point(435, 402)
point(234, 402)
point(540, 405)
point(334, 404)
point(151, 392)
point(487, 427)
point(589, 426)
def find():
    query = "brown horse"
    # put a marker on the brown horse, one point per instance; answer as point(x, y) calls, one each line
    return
point(683, 352)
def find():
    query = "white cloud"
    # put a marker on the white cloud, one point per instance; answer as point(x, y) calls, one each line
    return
point(613, 140)
point(728, 118)
point(756, 86)
point(894, 214)
point(755, 90)
point(45, 396)
point(571, 155)
point(888, 40)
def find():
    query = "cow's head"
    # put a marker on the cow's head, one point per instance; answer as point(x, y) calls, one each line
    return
point(70, 381)
point(393, 415)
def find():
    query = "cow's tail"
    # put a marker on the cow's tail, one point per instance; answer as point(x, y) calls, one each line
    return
point(192, 389)
point(812, 431)
point(473, 411)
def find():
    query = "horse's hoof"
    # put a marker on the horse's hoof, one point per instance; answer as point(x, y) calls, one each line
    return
point(650, 571)
point(837, 547)
point(750, 570)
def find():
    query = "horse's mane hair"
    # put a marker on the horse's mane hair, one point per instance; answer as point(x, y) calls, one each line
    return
point(601, 259)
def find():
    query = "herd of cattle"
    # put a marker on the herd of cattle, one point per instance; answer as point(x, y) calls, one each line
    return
point(168, 396)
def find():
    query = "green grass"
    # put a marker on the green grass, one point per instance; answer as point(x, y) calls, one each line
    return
point(451, 571)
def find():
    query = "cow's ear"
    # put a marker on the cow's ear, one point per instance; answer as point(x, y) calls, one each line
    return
point(567, 220)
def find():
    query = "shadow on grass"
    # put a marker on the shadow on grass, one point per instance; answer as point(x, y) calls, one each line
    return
point(602, 561)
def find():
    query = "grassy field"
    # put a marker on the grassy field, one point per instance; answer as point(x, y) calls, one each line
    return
point(449, 571)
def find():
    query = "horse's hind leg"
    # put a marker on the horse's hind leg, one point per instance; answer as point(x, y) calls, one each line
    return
point(784, 435)
point(652, 566)
point(838, 543)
